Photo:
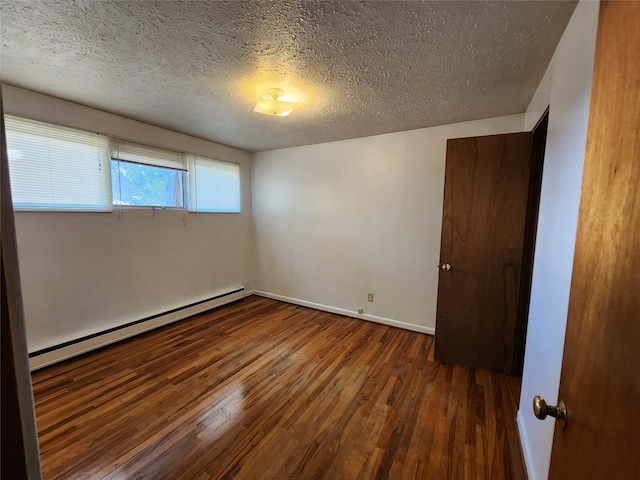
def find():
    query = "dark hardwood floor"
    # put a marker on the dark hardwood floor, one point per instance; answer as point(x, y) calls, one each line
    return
point(261, 389)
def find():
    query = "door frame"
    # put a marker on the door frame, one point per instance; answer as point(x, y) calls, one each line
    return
point(538, 148)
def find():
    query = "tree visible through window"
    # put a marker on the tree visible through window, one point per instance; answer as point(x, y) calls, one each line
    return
point(145, 185)
point(142, 175)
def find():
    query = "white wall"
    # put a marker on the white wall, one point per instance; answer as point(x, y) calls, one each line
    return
point(337, 220)
point(567, 88)
point(85, 272)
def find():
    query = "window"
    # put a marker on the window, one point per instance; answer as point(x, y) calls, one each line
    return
point(55, 168)
point(147, 176)
point(214, 186)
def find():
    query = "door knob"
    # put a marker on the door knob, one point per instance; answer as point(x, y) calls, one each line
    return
point(541, 410)
point(445, 266)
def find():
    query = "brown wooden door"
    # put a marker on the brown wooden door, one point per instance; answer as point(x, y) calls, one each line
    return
point(600, 379)
point(485, 206)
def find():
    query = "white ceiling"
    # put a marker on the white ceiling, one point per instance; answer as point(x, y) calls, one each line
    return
point(356, 68)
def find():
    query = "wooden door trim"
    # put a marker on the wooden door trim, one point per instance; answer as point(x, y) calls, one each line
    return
point(539, 141)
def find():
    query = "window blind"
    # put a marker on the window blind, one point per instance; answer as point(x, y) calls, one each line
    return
point(214, 186)
point(56, 168)
point(147, 155)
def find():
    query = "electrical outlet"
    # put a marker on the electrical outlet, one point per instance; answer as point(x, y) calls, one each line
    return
point(370, 297)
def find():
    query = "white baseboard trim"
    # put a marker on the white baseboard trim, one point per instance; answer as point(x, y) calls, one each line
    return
point(55, 355)
point(348, 313)
point(524, 445)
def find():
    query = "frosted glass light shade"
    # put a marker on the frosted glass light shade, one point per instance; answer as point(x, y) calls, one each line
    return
point(270, 105)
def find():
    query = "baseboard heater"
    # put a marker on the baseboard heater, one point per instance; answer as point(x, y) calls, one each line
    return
point(63, 351)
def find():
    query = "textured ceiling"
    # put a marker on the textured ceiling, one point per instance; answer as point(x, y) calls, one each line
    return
point(356, 68)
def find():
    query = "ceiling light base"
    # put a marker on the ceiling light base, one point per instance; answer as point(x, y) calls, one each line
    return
point(271, 105)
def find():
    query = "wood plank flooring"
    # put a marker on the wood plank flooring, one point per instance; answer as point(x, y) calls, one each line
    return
point(261, 389)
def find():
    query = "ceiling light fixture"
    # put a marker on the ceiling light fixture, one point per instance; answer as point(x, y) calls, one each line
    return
point(271, 105)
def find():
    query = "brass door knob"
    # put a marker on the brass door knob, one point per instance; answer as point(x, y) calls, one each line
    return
point(445, 266)
point(541, 410)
